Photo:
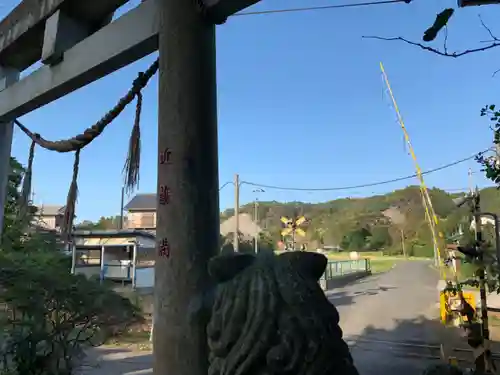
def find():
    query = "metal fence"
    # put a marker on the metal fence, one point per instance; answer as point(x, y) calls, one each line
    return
point(343, 267)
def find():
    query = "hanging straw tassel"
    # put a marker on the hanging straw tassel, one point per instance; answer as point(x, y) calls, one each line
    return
point(132, 164)
point(26, 188)
point(69, 213)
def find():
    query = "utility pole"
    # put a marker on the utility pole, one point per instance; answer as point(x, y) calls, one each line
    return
point(187, 229)
point(122, 203)
point(483, 361)
point(256, 219)
point(236, 243)
point(471, 188)
point(478, 334)
point(497, 155)
point(403, 242)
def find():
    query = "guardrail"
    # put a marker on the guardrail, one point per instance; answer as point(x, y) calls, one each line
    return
point(339, 273)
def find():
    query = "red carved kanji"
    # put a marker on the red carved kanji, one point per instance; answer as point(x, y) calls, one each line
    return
point(165, 156)
point(165, 194)
point(164, 250)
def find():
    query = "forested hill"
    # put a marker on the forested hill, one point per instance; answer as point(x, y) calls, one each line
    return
point(371, 223)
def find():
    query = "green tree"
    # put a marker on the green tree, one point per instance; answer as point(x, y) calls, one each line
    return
point(344, 244)
point(16, 229)
point(356, 240)
point(111, 222)
point(379, 238)
point(104, 223)
point(13, 184)
point(266, 242)
point(49, 315)
point(491, 165)
point(468, 238)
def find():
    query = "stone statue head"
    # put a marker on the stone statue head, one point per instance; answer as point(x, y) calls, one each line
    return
point(270, 316)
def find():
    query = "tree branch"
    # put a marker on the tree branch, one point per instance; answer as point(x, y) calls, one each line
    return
point(445, 42)
point(493, 37)
point(493, 44)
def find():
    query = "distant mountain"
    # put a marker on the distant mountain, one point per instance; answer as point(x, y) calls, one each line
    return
point(372, 223)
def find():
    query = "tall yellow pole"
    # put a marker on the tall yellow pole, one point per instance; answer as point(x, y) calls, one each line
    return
point(429, 210)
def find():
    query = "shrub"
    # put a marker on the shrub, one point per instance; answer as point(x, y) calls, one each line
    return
point(51, 316)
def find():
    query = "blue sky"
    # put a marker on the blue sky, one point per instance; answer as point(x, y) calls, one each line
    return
point(301, 104)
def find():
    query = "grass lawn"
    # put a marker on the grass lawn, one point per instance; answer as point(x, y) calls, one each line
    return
point(381, 265)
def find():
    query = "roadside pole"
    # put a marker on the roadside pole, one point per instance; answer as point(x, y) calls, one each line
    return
point(236, 239)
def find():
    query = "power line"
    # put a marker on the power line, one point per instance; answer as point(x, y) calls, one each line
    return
point(368, 184)
point(224, 185)
point(305, 9)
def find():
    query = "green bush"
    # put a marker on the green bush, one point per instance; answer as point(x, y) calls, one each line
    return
point(51, 316)
point(48, 316)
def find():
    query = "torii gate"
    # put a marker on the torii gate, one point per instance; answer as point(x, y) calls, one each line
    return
point(78, 45)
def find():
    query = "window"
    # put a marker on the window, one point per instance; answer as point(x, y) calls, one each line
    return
point(88, 256)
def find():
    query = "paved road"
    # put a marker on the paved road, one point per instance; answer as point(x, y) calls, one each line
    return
point(397, 306)
point(390, 320)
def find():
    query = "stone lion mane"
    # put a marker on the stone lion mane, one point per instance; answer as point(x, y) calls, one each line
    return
point(271, 317)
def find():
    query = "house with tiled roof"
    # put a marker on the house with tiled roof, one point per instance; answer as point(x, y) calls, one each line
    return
point(49, 216)
point(141, 215)
point(141, 212)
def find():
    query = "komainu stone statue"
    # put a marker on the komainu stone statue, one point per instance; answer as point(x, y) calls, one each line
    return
point(270, 316)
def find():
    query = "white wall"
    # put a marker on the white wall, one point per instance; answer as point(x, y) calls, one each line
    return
point(116, 264)
point(88, 270)
point(145, 277)
point(138, 219)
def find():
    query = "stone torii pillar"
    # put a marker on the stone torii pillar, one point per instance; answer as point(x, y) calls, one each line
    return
point(187, 226)
point(187, 229)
